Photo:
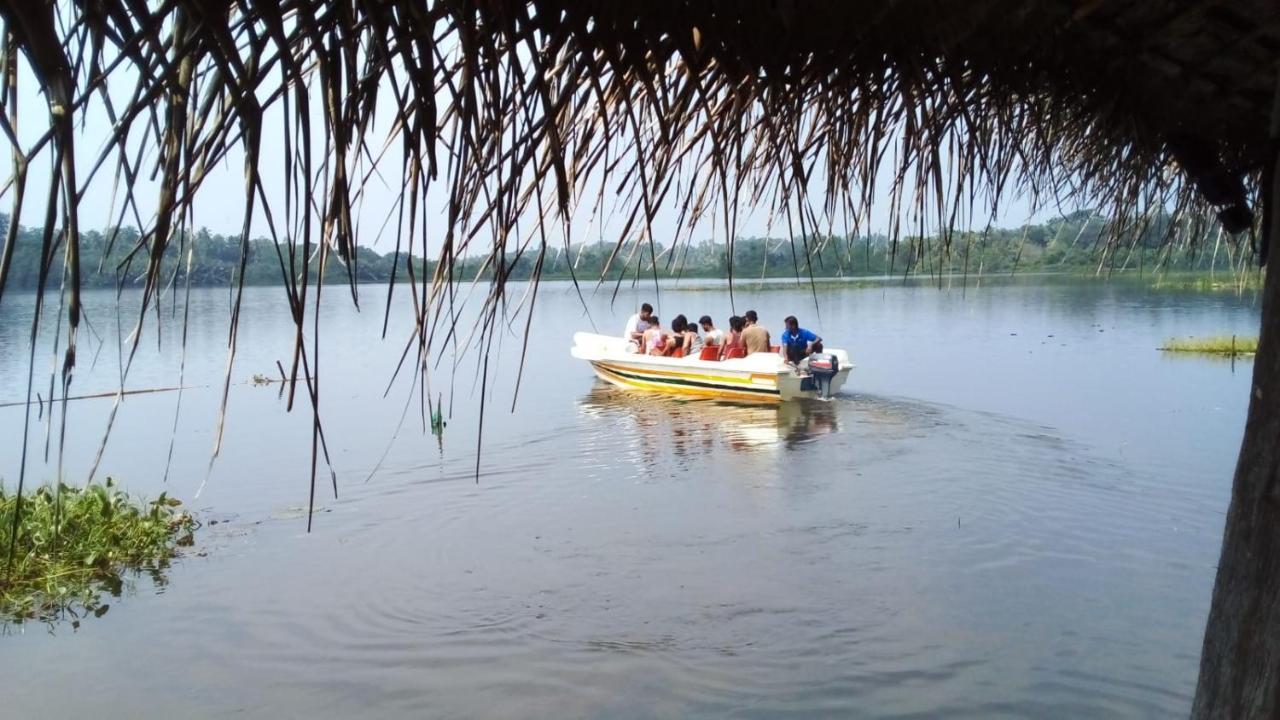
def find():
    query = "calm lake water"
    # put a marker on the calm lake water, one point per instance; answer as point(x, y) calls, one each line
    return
point(1013, 510)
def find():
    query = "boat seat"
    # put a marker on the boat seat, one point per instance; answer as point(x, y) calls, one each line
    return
point(710, 352)
point(735, 352)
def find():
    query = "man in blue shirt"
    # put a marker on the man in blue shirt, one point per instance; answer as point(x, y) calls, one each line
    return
point(798, 343)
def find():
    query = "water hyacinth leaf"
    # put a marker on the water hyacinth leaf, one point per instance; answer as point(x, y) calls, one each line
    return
point(105, 538)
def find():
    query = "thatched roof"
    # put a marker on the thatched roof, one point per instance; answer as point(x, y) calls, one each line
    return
point(514, 109)
point(1146, 70)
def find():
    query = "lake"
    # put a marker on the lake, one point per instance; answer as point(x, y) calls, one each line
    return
point(1014, 509)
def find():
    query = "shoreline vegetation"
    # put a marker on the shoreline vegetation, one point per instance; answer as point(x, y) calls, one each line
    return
point(1220, 345)
point(1072, 244)
point(73, 546)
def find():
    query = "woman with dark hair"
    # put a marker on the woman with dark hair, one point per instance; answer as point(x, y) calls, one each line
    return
point(675, 341)
point(692, 341)
point(733, 338)
point(655, 343)
point(684, 337)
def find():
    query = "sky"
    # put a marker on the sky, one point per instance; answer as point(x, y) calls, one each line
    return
point(219, 204)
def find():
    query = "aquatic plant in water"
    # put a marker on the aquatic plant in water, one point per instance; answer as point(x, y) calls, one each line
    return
point(1200, 281)
point(1229, 345)
point(74, 544)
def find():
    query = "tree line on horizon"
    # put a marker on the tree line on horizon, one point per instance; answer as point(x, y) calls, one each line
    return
point(1074, 242)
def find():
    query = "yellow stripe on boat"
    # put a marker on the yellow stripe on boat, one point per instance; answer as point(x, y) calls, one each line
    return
point(756, 379)
point(628, 377)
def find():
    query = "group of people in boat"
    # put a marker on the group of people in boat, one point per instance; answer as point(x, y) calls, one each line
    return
point(745, 336)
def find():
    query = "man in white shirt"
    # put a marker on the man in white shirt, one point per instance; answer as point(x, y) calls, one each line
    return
point(637, 324)
point(710, 335)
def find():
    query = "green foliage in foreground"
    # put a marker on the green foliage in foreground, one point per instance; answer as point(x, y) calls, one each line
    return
point(71, 549)
point(1215, 345)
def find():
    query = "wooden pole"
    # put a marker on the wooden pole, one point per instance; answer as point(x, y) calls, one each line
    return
point(1240, 660)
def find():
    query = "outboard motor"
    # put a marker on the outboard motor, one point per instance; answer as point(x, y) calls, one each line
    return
point(823, 367)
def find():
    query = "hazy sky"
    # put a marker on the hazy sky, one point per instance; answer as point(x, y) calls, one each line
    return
point(220, 203)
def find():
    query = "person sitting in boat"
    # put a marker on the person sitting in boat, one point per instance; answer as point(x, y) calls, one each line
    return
point(676, 337)
point(798, 343)
point(692, 342)
point(710, 335)
point(637, 325)
point(754, 337)
point(684, 337)
point(733, 338)
point(654, 340)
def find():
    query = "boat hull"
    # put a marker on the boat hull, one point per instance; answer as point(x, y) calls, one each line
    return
point(635, 377)
point(761, 377)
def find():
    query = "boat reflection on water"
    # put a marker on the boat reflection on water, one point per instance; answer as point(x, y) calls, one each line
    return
point(702, 425)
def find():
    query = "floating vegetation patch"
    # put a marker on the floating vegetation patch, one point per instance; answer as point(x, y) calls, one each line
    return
point(1220, 345)
point(1205, 282)
point(74, 546)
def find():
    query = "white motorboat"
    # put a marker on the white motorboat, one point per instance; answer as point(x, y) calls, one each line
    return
point(759, 377)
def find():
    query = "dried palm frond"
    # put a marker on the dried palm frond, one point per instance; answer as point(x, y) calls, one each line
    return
point(516, 111)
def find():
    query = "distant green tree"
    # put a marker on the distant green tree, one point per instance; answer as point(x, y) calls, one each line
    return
point(1073, 242)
